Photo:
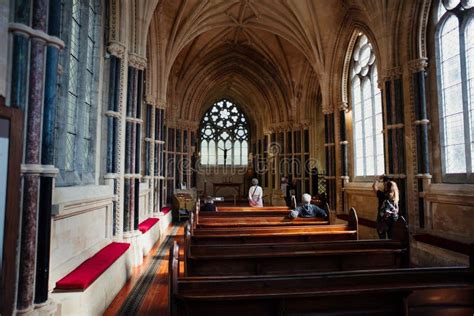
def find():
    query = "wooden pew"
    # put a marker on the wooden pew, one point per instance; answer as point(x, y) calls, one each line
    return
point(286, 258)
point(276, 234)
point(252, 209)
point(422, 291)
point(255, 218)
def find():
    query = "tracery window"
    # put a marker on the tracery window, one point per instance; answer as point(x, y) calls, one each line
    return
point(224, 135)
point(77, 103)
point(366, 110)
point(455, 65)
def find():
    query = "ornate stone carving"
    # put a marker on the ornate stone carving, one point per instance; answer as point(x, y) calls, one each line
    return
point(392, 73)
point(417, 65)
point(344, 106)
point(137, 61)
point(117, 49)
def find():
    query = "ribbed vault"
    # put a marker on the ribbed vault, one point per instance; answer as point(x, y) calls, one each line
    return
point(268, 56)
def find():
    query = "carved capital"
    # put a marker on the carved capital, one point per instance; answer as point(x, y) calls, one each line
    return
point(417, 65)
point(160, 103)
point(328, 109)
point(116, 49)
point(137, 61)
point(392, 73)
point(344, 106)
point(150, 100)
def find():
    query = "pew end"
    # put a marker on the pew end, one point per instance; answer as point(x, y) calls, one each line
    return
point(187, 250)
point(353, 221)
point(331, 214)
point(173, 273)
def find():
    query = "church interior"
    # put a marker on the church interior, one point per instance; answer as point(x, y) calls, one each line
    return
point(120, 118)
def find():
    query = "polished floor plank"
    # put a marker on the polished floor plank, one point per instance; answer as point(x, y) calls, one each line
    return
point(155, 300)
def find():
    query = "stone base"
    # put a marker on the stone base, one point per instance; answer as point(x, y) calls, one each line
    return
point(149, 238)
point(98, 296)
point(165, 220)
point(135, 240)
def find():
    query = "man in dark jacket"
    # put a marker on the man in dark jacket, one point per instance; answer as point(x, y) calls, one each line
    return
point(308, 209)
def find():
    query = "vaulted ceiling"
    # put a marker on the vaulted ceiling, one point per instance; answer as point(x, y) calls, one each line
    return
point(272, 57)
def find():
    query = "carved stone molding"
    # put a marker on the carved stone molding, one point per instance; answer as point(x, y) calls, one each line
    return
point(117, 49)
point(150, 100)
point(161, 104)
point(344, 106)
point(137, 61)
point(392, 73)
point(417, 65)
point(328, 109)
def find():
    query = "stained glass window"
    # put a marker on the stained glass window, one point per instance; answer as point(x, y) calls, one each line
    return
point(78, 91)
point(224, 135)
point(455, 65)
point(366, 110)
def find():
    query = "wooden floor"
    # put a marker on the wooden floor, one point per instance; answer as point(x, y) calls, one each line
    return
point(146, 292)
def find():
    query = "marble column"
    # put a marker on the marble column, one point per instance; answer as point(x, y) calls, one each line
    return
point(329, 146)
point(395, 131)
point(31, 170)
point(115, 115)
point(47, 160)
point(132, 173)
point(19, 59)
point(418, 73)
point(343, 143)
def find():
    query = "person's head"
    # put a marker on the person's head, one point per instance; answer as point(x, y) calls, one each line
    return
point(283, 180)
point(306, 198)
point(209, 200)
point(254, 181)
point(392, 191)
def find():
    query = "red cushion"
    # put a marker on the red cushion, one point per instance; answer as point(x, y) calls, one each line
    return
point(85, 274)
point(166, 209)
point(147, 224)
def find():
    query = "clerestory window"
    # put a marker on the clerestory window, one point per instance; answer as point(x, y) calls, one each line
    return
point(366, 110)
point(455, 65)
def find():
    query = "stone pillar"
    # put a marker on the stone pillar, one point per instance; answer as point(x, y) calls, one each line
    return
point(343, 143)
point(132, 173)
point(159, 156)
point(394, 128)
point(418, 73)
point(149, 110)
point(37, 177)
point(19, 59)
point(329, 146)
point(42, 304)
point(115, 115)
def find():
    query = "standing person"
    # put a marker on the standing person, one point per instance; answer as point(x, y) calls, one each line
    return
point(388, 213)
point(255, 194)
point(381, 196)
point(284, 186)
point(308, 209)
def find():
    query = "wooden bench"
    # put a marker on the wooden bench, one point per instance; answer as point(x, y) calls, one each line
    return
point(284, 258)
point(254, 218)
point(252, 209)
point(276, 234)
point(433, 291)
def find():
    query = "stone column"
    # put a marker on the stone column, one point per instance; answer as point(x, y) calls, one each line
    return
point(329, 146)
point(132, 174)
point(42, 304)
point(343, 143)
point(115, 130)
point(159, 154)
point(421, 123)
point(394, 128)
point(37, 178)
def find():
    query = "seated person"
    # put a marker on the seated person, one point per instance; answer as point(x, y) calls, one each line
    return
point(308, 209)
point(208, 205)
